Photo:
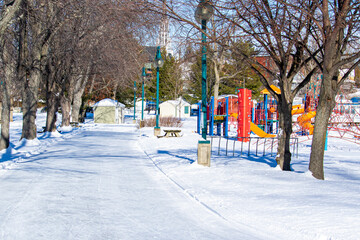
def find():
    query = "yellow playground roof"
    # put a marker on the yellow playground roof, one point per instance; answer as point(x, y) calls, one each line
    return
point(276, 89)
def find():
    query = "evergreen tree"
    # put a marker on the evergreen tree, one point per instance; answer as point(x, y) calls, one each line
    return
point(170, 82)
point(235, 74)
point(193, 88)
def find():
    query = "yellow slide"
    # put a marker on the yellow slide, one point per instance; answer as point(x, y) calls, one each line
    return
point(305, 121)
point(258, 131)
point(297, 109)
point(235, 115)
point(255, 129)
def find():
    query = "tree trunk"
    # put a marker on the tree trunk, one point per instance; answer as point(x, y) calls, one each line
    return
point(52, 107)
point(77, 102)
point(326, 104)
point(8, 79)
point(285, 130)
point(7, 15)
point(115, 90)
point(357, 77)
point(65, 110)
point(78, 93)
point(30, 74)
point(5, 114)
point(29, 104)
point(92, 85)
point(75, 110)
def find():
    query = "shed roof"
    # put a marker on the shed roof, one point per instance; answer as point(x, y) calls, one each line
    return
point(107, 102)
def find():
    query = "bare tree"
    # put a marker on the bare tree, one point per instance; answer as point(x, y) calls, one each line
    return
point(115, 52)
point(8, 13)
point(7, 80)
point(8, 10)
point(336, 32)
point(39, 21)
point(277, 31)
point(96, 37)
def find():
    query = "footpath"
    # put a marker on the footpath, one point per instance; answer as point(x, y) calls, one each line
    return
point(100, 185)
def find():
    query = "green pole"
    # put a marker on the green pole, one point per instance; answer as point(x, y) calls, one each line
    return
point(134, 99)
point(203, 81)
point(158, 57)
point(157, 97)
point(142, 95)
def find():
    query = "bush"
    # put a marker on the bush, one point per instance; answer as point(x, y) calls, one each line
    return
point(163, 122)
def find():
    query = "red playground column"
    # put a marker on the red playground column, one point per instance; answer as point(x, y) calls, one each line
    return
point(244, 114)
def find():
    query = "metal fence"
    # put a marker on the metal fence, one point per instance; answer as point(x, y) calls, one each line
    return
point(255, 145)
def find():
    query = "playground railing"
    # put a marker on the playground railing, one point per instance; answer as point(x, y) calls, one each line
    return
point(250, 145)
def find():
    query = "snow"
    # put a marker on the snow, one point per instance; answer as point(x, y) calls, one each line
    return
point(65, 129)
point(120, 182)
point(107, 102)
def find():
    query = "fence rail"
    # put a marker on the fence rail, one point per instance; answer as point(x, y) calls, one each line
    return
point(251, 144)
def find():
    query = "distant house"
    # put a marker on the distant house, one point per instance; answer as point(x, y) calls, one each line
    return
point(175, 108)
point(109, 111)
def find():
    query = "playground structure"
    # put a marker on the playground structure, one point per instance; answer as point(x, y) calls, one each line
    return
point(238, 116)
point(237, 112)
point(344, 121)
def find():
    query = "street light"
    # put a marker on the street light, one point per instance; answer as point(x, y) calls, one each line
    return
point(159, 62)
point(143, 75)
point(134, 101)
point(203, 13)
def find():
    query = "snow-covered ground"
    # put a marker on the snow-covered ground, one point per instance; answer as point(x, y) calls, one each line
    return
point(118, 182)
point(252, 191)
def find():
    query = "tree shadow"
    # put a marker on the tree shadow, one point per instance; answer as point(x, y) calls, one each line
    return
point(178, 155)
point(9, 154)
point(266, 159)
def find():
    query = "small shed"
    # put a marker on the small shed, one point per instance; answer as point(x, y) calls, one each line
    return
point(139, 104)
point(175, 108)
point(109, 111)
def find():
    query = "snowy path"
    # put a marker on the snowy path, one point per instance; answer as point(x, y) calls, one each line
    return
point(100, 185)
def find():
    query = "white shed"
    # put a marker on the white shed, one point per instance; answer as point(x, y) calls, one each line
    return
point(109, 111)
point(175, 108)
point(139, 104)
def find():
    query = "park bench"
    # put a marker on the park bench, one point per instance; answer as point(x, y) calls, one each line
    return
point(171, 133)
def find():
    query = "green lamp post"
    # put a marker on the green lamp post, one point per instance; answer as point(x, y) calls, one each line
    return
point(203, 13)
point(143, 76)
point(159, 62)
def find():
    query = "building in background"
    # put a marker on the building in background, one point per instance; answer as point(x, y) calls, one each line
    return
point(175, 108)
point(109, 111)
